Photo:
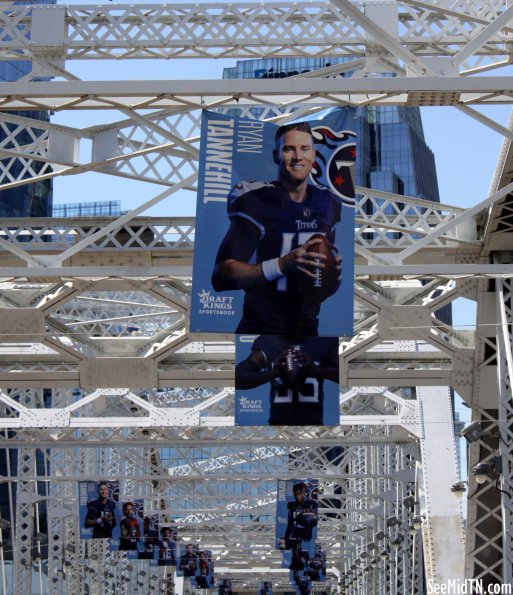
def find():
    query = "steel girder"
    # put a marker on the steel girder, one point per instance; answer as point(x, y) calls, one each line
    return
point(465, 31)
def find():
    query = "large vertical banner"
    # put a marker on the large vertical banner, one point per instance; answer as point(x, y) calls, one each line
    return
point(205, 571)
point(189, 561)
point(166, 546)
point(197, 566)
point(296, 521)
point(131, 529)
point(286, 380)
point(99, 510)
point(274, 246)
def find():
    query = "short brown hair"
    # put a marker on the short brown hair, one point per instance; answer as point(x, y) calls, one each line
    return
point(301, 126)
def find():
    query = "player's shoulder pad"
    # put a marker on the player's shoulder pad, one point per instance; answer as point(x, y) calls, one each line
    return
point(328, 191)
point(244, 187)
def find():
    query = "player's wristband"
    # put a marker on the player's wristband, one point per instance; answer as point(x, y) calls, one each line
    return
point(271, 269)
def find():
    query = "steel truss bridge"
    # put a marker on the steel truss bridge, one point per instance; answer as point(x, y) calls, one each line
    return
point(100, 378)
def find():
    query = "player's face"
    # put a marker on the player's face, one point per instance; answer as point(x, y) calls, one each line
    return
point(299, 496)
point(129, 509)
point(295, 156)
point(103, 492)
point(190, 550)
point(166, 534)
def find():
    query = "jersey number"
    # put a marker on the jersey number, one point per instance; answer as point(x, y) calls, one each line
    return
point(308, 393)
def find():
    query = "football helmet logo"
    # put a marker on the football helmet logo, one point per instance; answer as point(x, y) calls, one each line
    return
point(335, 161)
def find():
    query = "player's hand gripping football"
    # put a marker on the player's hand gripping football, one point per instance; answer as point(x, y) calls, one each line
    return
point(321, 266)
point(305, 258)
point(292, 367)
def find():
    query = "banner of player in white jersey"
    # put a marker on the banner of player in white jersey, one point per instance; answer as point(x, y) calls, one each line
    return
point(104, 515)
point(288, 380)
point(297, 514)
point(274, 243)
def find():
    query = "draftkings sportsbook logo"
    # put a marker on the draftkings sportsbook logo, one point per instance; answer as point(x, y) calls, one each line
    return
point(250, 405)
point(215, 304)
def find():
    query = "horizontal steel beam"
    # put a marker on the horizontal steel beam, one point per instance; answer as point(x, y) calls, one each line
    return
point(187, 94)
point(379, 272)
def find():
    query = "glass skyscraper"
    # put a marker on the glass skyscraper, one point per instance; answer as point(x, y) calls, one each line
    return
point(392, 154)
point(29, 200)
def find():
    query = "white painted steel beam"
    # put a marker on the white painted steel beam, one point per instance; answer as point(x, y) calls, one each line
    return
point(242, 30)
point(189, 94)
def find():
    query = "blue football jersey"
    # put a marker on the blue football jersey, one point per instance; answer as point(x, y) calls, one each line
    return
point(304, 405)
point(279, 226)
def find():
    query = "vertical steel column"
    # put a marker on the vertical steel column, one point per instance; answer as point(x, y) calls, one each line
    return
point(504, 289)
point(443, 525)
point(64, 547)
point(26, 499)
point(26, 508)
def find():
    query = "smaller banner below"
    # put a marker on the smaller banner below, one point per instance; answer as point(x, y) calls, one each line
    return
point(148, 543)
point(314, 568)
point(286, 381)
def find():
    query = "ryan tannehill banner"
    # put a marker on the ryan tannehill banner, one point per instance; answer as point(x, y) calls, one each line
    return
point(288, 380)
point(274, 244)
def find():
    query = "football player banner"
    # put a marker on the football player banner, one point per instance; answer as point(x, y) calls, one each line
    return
point(286, 380)
point(296, 521)
point(189, 561)
point(131, 529)
point(314, 567)
point(166, 546)
point(99, 510)
point(274, 239)
point(205, 570)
